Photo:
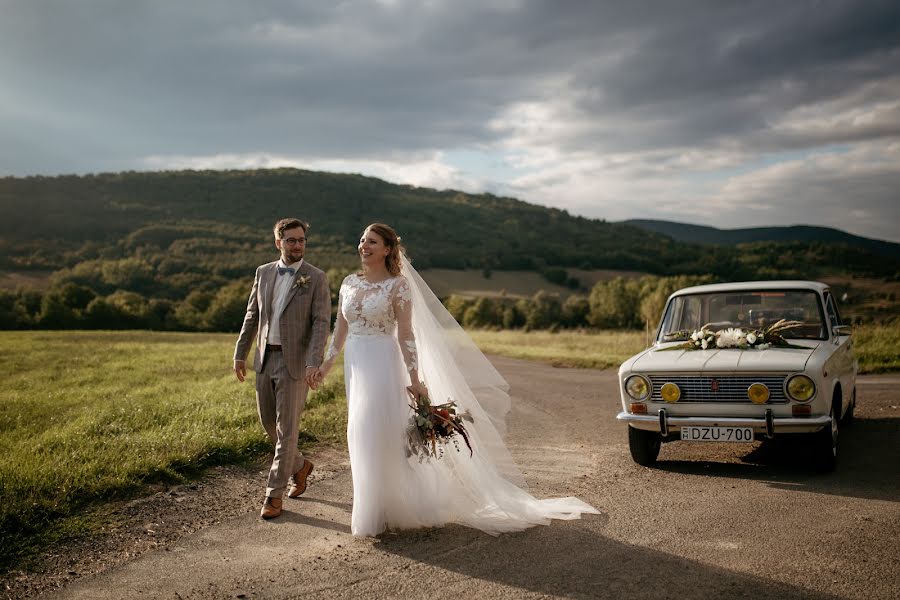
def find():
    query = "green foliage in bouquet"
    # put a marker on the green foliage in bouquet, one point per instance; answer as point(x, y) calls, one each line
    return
point(434, 425)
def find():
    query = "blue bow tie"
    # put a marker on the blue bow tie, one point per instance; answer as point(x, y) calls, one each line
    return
point(283, 270)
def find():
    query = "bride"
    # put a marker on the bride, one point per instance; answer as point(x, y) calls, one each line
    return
point(396, 331)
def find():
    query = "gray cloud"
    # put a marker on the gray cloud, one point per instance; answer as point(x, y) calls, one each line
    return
point(653, 106)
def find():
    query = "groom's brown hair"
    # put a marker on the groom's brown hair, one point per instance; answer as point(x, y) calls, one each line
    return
point(283, 224)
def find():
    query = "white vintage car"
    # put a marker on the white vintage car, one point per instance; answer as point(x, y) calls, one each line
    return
point(739, 362)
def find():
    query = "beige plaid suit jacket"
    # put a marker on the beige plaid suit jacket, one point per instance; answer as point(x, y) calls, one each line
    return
point(305, 320)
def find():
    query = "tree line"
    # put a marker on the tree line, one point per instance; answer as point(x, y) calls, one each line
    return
point(615, 304)
point(618, 303)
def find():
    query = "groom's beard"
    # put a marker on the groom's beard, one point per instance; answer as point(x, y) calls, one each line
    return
point(292, 257)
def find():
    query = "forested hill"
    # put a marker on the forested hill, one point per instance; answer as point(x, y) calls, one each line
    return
point(229, 215)
point(218, 222)
point(702, 234)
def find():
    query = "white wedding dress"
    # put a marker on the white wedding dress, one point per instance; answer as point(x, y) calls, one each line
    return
point(382, 323)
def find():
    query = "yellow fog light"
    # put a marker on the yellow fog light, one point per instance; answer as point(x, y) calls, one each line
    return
point(670, 392)
point(801, 388)
point(758, 393)
point(637, 387)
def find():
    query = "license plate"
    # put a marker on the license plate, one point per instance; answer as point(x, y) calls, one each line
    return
point(717, 434)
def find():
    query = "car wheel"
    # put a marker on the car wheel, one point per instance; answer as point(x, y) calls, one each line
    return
point(826, 442)
point(644, 446)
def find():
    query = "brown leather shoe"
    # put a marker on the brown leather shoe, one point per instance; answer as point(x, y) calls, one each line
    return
point(299, 485)
point(271, 508)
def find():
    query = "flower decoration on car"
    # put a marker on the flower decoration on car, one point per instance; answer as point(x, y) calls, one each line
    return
point(735, 337)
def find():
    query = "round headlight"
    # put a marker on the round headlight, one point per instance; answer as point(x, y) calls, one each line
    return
point(801, 388)
point(670, 392)
point(758, 393)
point(637, 387)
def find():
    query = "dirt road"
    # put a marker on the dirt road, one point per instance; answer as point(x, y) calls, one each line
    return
point(719, 521)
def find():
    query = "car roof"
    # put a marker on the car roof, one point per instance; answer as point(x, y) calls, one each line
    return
point(746, 286)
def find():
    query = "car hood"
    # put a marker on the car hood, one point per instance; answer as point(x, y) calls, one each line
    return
point(726, 359)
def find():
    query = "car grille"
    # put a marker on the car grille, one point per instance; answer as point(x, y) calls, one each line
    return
point(727, 388)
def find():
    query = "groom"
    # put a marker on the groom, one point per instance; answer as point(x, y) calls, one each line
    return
point(288, 314)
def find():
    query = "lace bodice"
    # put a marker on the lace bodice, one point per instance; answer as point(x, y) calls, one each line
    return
point(380, 308)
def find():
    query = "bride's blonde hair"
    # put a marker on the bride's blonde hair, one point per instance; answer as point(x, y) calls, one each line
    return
point(392, 241)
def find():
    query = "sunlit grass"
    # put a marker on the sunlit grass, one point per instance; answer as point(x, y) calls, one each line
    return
point(88, 416)
point(877, 347)
point(597, 350)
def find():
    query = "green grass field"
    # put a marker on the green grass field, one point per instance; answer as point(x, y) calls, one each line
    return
point(877, 347)
point(90, 416)
point(87, 417)
point(595, 350)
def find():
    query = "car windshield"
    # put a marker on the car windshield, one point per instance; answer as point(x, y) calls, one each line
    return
point(747, 310)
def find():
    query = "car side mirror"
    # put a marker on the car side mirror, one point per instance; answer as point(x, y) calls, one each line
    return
point(839, 330)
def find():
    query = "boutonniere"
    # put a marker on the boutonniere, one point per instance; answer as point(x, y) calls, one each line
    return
point(302, 281)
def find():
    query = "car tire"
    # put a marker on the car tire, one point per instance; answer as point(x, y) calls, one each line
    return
point(826, 442)
point(644, 446)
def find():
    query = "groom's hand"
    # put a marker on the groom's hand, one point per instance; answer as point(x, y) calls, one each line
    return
point(240, 369)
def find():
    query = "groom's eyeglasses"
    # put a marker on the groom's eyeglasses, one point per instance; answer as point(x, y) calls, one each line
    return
point(293, 241)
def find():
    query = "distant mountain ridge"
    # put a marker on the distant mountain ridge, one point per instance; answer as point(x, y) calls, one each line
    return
point(703, 234)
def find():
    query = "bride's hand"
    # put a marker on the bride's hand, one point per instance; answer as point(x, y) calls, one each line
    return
point(417, 389)
point(325, 368)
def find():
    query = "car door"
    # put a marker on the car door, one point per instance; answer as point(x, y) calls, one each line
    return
point(841, 363)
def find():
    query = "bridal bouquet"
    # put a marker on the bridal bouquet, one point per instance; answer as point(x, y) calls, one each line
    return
point(434, 425)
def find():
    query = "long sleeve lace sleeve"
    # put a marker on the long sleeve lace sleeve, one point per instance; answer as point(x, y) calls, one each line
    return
point(340, 332)
point(402, 303)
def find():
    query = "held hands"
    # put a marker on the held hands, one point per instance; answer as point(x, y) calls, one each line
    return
point(314, 377)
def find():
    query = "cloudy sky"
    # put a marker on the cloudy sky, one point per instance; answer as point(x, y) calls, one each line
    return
point(732, 114)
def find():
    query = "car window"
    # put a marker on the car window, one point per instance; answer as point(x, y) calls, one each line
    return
point(750, 310)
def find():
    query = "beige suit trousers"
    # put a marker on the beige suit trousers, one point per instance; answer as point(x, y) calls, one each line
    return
point(280, 400)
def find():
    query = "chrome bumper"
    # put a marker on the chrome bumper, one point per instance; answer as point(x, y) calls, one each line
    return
point(769, 425)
